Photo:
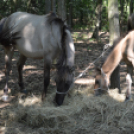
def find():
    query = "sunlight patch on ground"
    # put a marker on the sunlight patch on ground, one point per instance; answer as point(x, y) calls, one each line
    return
point(29, 101)
point(29, 67)
point(84, 81)
point(116, 96)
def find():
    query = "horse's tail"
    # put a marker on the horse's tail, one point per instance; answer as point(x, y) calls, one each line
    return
point(7, 36)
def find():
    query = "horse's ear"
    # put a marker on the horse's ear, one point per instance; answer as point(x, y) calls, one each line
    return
point(98, 70)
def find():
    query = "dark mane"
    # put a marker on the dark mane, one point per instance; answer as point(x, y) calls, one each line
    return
point(61, 64)
point(7, 36)
point(61, 61)
point(51, 16)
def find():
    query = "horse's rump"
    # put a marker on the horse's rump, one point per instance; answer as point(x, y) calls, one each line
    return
point(7, 36)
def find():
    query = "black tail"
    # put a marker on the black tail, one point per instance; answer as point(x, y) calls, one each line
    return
point(7, 36)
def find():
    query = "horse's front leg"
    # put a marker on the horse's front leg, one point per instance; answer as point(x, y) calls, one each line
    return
point(129, 82)
point(47, 65)
point(20, 64)
point(9, 50)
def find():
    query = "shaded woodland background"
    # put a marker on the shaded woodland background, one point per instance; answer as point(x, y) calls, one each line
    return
point(80, 14)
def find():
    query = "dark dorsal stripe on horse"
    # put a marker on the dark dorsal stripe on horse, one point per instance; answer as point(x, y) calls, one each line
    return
point(7, 37)
point(2, 22)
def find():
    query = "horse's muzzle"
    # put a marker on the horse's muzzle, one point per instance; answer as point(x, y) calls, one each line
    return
point(59, 98)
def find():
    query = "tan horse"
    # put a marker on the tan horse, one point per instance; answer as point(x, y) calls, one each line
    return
point(38, 37)
point(122, 51)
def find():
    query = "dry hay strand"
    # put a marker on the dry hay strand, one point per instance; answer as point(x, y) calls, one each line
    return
point(81, 113)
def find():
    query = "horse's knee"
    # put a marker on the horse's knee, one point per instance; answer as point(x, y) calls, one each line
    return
point(8, 70)
point(21, 62)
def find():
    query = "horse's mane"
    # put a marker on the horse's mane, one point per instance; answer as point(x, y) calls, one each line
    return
point(61, 65)
point(52, 18)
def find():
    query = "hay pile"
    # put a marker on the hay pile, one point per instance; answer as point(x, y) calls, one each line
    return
point(81, 113)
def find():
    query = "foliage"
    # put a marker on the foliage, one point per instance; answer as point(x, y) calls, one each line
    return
point(9, 6)
point(83, 14)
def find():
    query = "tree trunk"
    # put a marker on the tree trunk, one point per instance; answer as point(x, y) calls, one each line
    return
point(131, 7)
point(61, 9)
point(53, 5)
point(98, 19)
point(122, 12)
point(70, 20)
point(114, 30)
point(81, 17)
point(47, 6)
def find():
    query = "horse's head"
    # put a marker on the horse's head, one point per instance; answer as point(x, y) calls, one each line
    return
point(65, 64)
point(64, 80)
point(101, 82)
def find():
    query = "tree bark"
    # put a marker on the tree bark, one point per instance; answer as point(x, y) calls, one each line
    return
point(122, 11)
point(114, 30)
point(98, 19)
point(53, 5)
point(131, 7)
point(61, 9)
point(70, 15)
point(47, 6)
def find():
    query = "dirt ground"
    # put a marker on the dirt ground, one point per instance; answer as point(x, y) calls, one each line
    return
point(81, 112)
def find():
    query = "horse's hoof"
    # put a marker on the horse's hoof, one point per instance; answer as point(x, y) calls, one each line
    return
point(6, 98)
point(98, 93)
point(128, 98)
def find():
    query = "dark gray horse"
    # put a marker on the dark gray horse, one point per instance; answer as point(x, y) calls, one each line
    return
point(38, 37)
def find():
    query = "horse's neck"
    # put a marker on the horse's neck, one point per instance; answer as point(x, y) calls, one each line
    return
point(70, 50)
point(113, 60)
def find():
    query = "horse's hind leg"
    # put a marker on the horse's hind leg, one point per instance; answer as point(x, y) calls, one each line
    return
point(129, 81)
point(20, 64)
point(9, 50)
point(47, 65)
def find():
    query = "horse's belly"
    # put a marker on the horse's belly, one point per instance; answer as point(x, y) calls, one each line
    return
point(30, 51)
